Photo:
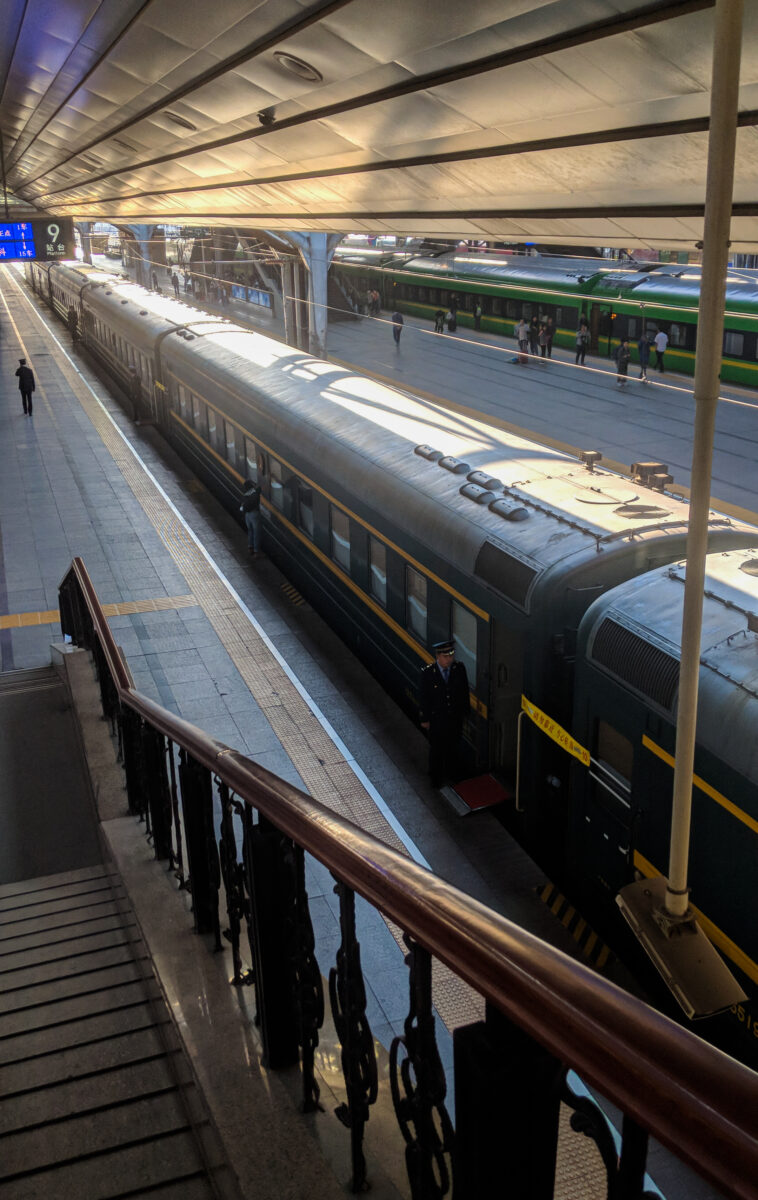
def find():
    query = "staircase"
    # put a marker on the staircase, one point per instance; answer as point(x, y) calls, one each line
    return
point(97, 1097)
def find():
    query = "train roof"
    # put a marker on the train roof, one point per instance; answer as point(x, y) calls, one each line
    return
point(471, 483)
point(634, 632)
point(471, 488)
point(534, 271)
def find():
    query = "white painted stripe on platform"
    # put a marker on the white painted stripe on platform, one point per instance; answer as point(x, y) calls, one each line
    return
point(378, 800)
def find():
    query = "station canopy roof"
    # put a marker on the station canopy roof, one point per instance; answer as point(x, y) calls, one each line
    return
point(582, 122)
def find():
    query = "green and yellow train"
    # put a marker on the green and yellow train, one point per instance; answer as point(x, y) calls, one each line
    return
point(618, 299)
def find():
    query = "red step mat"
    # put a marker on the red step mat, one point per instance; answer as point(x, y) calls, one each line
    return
point(482, 792)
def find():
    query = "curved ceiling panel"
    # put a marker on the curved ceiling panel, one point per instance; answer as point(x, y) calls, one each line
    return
point(579, 121)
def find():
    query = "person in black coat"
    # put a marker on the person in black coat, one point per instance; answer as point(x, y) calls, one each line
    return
point(444, 707)
point(26, 385)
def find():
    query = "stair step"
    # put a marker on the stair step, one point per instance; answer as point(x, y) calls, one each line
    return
point(114, 1172)
point(109, 1051)
point(51, 1016)
point(140, 1120)
point(22, 898)
point(30, 925)
point(60, 879)
point(68, 967)
point(37, 998)
point(36, 906)
point(54, 951)
point(69, 1099)
point(133, 1012)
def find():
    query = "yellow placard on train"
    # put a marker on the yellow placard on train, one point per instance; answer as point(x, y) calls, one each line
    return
point(554, 731)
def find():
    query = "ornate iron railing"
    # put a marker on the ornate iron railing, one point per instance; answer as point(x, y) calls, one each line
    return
point(545, 1013)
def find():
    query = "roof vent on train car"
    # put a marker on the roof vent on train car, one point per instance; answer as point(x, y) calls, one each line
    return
point(482, 479)
point(750, 566)
point(454, 465)
point(641, 471)
point(752, 622)
point(428, 452)
point(124, 301)
point(478, 494)
point(504, 572)
point(637, 662)
point(143, 312)
point(510, 511)
point(589, 458)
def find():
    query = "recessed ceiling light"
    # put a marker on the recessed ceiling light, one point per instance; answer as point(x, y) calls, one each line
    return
point(185, 124)
point(297, 66)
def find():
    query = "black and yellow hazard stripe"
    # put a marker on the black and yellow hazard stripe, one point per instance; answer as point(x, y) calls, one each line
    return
point(593, 950)
point(292, 594)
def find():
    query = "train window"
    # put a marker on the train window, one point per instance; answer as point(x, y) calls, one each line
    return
point(526, 311)
point(251, 462)
point(231, 442)
point(734, 343)
point(277, 487)
point(513, 309)
point(340, 537)
point(185, 406)
point(464, 636)
point(615, 751)
point(212, 426)
point(304, 499)
point(558, 316)
point(677, 335)
point(497, 306)
point(631, 329)
point(198, 417)
point(378, 570)
point(415, 593)
point(468, 303)
point(421, 294)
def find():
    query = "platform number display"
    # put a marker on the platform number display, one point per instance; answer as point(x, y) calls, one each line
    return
point(40, 238)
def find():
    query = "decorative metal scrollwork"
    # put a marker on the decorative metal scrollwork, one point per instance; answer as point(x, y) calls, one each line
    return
point(625, 1172)
point(419, 1087)
point(347, 994)
point(308, 985)
point(233, 875)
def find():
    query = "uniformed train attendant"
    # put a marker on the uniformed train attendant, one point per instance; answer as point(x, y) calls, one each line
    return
point(444, 706)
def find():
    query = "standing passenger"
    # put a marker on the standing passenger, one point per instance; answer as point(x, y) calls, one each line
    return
point(582, 339)
point(251, 510)
point(397, 326)
point(661, 342)
point(543, 337)
point(550, 330)
point(175, 282)
point(643, 349)
point(622, 356)
point(439, 321)
point(534, 337)
point(25, 385)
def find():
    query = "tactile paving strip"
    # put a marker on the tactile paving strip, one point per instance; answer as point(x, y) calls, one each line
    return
point(124, 608)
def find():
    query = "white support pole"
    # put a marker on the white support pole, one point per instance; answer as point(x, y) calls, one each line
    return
point(718, 207)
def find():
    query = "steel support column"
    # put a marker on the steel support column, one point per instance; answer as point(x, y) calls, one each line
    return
point(710, 326)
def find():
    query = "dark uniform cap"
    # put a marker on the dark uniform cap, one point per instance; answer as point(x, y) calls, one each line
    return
point(444, 647)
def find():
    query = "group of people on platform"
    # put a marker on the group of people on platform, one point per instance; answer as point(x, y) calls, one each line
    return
point(534, 338)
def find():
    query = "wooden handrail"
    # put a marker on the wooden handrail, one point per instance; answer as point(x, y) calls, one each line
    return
point(691, 1097)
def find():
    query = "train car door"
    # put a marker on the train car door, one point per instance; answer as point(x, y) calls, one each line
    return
point(607, 827)
point(507, 682)
point(600, 328)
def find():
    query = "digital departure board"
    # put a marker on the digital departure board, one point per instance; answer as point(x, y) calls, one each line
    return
point(41, 238)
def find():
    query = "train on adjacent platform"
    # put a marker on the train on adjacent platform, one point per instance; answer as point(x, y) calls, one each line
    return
point(559, 582)
point(618, 299)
